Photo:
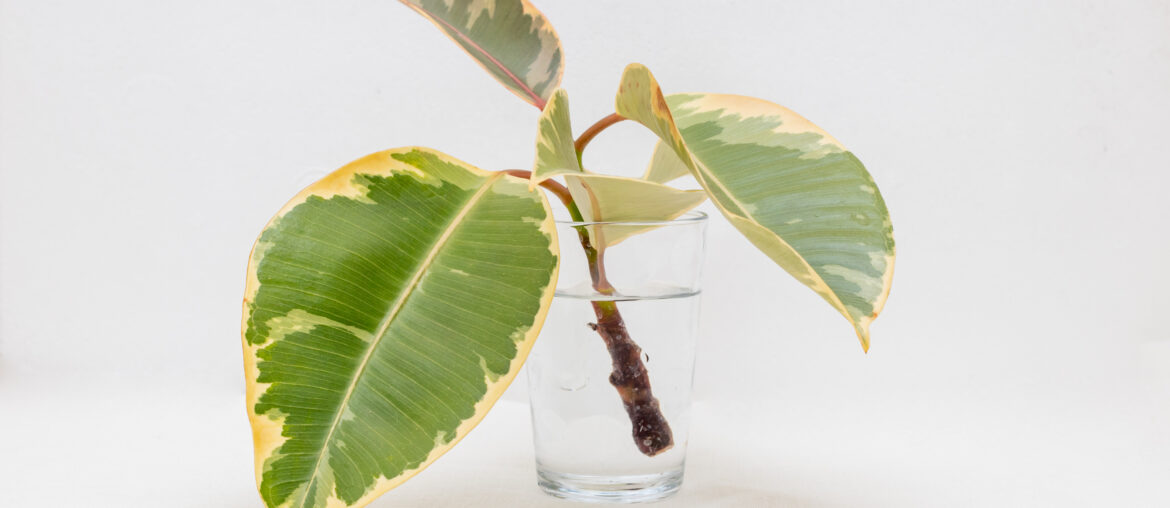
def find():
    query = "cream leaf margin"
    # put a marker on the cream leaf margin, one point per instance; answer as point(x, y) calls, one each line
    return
point(266, 432)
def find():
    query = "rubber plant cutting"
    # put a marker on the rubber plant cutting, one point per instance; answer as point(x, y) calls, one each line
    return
point(389, 304)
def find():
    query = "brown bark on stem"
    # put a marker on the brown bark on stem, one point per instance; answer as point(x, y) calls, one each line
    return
point(652, 433)
point(650, 430)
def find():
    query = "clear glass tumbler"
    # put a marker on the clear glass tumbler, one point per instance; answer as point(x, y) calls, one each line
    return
point(598, 434)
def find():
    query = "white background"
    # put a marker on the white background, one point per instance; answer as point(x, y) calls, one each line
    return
point(1023, 358)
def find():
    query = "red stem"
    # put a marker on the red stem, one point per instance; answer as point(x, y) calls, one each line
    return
point(593, 131)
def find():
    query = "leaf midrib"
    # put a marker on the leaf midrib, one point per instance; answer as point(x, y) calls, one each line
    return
point(537, 100)
point(384, 326)
point(709, 175)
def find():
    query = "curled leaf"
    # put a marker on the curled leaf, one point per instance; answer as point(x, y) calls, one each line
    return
point(555, 154)
point(637, 202)
point(665, 166)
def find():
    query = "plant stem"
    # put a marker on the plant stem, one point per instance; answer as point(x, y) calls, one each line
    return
point(592, 132)
point(651, 432)
point(594, 257)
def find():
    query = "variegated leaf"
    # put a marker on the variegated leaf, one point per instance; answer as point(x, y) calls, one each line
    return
point(786, 184)
point(599, 197)
point(510, 39)
point(615, 199)
point(387, 307)
point(555, 154)
point(640, 99)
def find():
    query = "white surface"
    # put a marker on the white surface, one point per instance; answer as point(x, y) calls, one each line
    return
point(1023, 358)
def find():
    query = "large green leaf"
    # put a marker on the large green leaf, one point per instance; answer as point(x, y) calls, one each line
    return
point(786, 184)
point(509, 38)
point(387, 308)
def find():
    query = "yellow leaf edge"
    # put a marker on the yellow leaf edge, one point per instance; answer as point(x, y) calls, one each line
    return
point(266, 433)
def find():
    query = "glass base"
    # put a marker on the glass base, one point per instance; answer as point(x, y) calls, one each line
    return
point(644, 488)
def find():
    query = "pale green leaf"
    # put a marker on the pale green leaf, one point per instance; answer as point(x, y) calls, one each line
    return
point(387, 307)
point(510, 39)
point(555, 154)
point(665, 166)
point(640, 99)
point(610, 199)
point(788, 186)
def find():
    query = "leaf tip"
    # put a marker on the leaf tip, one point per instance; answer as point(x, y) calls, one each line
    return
point(863, 336)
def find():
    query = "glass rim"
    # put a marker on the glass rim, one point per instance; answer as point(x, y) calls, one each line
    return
point(689, 217)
